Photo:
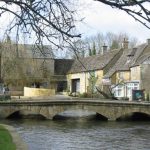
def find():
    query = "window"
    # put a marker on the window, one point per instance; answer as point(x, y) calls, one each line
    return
point(131, 86)
point(119, 91)
point(129, 90)
point(125, 90)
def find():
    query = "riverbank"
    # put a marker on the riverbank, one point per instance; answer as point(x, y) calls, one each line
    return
point(6, 141)
point(18, 142)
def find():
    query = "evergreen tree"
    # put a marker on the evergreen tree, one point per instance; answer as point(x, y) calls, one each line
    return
point(115, 44)
point(147, 97)
point(90, 51)
point(94, 49)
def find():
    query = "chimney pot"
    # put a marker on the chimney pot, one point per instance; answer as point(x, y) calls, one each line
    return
point(148, 42)
point(104, 50)
point(125, 44)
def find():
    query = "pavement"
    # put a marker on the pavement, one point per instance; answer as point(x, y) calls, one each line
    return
point(53, 97)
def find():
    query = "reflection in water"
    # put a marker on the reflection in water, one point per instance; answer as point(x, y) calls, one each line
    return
point(83, 135)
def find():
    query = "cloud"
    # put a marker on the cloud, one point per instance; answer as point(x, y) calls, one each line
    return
point(103, 18)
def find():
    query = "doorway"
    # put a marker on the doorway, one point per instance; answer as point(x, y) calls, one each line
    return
point(75, 85)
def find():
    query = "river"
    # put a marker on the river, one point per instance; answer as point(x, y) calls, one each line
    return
point(83, 135)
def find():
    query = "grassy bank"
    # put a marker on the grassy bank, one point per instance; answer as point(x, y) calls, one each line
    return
point(6, 142)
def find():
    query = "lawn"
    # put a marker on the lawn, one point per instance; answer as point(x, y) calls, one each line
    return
point(6, 142)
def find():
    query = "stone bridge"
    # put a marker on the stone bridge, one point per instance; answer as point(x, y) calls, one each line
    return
point(112, 110)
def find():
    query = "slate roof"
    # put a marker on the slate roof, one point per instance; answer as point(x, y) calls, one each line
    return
point(62, 66)
point(128, 59)
point(31, 51)
point(90, 63)
point(144, 55)
point(138, 54)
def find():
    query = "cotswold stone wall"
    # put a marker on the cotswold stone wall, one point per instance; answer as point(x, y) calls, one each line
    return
point(145, 77)
point(38, 92)
point(84, 79)
point(135, 73)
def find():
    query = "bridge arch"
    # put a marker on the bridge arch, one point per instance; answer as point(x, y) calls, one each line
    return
point(24, 113)
point(56, 110)
point(134, 116)
point(8, 111)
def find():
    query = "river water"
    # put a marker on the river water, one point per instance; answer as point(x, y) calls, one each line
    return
point(83, 135)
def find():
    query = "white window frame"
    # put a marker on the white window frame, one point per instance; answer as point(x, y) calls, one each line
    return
point(126, 89)
point(118, 90)
point(134, 85)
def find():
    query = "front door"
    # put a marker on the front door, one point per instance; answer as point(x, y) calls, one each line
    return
point(76, 85)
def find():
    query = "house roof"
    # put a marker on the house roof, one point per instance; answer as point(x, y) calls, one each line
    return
point(120, 65)
point(62, 66)
point(143, 56)
point(32, 51)
point(96, 62)
point(128, 59)
point(139, 52)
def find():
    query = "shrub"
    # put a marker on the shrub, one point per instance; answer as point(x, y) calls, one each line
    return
point(147, 97)
point(84, 95)
point(5, 97)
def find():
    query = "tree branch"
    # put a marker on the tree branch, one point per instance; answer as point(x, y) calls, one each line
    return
point(138, 9)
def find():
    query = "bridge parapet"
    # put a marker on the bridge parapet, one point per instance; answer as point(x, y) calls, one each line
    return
point(110, 109)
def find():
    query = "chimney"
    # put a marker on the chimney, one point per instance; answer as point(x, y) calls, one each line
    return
point(132, 52)
point(125, 44)
point(104, 49)
point(148, 42)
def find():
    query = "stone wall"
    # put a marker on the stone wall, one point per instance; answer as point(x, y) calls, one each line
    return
point(135, 73)
point(48, 109)
point(38, 92)
point(122, 76)
point(84, 80)
point(145, 77)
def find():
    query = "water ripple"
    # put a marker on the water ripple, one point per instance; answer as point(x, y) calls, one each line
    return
point(92, 135)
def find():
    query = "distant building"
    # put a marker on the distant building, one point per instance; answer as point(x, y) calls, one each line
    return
point(131, 71)
point(122, 69)
point(83, 70)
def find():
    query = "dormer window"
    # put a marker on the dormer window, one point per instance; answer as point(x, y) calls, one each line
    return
point(131, 55)
point(129, 59)
point(132, 52)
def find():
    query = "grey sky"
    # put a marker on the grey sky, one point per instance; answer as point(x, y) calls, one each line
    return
point(102, 18)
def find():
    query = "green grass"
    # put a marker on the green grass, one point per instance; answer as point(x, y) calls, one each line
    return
point(6, 142)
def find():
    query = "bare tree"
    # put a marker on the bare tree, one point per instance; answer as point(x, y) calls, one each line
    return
point(53, 20)
point(138, 9)
point(112, 40)
point(43, 20)
point(115, 41)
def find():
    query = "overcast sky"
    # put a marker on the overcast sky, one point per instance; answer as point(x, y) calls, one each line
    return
point(102, 18)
